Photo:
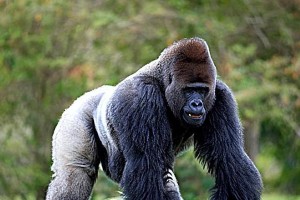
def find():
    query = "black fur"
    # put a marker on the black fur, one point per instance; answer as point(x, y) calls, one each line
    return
point(145, 138)
point(219, 145)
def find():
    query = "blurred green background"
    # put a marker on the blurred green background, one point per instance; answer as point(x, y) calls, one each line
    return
point(53, 51)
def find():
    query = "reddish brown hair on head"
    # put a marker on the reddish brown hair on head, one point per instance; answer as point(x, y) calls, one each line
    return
point(191, 50)
point(192, 61)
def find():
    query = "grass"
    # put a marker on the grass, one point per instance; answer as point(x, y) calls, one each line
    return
point(271, 196)
point(274, 196)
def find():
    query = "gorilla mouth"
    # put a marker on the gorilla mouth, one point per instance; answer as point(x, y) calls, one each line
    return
point(195, 116)
point(193, 119)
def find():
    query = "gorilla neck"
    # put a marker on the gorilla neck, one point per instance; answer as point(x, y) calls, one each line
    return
point(180, 133)
point(152, 69)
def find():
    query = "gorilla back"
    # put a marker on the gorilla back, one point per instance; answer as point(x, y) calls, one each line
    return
point(136, 129)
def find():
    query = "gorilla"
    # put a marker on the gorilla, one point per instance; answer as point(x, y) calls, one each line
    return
point(136, 128)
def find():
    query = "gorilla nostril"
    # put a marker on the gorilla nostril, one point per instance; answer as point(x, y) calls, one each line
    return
point(196, 103)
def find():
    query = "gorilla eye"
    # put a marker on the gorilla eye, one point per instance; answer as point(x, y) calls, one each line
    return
point(204, 90)
point(200, 88)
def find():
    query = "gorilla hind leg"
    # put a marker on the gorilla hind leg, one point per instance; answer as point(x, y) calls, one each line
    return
point(75, 167)
point(73, 184)
point(75, 152)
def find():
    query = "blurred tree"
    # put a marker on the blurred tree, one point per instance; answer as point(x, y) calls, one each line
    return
point(53, 51)
point(42, 68)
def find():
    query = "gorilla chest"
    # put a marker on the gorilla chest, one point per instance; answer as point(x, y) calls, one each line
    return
point(182, 139)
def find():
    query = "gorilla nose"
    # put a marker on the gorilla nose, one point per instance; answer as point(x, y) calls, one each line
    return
point(196, 104)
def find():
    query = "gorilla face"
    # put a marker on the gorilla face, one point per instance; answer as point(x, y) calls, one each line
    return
point(193, 112)
point(189, 102)
point(189, 79)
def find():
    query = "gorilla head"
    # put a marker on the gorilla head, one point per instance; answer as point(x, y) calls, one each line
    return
point(189, 80)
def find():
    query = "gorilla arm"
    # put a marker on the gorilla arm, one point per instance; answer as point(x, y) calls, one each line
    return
point(140, 120)
point(219, 145)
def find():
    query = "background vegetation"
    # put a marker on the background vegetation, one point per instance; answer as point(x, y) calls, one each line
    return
point(53, 51)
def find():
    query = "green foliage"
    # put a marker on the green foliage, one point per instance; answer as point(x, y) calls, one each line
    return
point(188, 172)
point(34, 63)
point(279, 197)
point(53, 51)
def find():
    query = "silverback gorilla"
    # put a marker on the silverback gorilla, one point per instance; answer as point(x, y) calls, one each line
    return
point(136, 129)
